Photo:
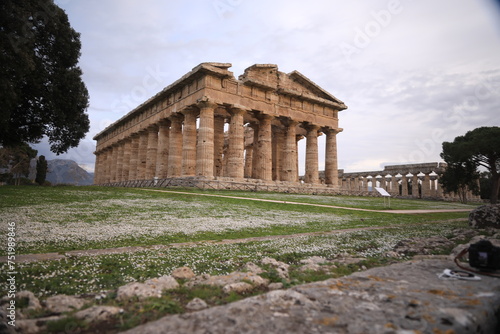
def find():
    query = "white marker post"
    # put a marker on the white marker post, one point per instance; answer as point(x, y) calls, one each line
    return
point(385, 194)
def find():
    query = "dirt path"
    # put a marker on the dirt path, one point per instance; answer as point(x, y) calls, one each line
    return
point(120, 250)
point(311, 204)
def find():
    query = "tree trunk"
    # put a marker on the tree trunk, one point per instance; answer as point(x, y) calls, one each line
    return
point(495, 188)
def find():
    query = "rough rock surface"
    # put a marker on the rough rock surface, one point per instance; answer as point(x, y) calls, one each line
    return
point(183, 273)
point(485, 216)
point(62, 303)
point(390, 299)
point(196, 304)
point(97, 313)
point(224, 280)
point(150, 288)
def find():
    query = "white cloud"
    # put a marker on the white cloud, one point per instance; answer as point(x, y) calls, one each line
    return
point(419, 70)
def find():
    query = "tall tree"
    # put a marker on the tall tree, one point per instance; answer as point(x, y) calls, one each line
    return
point(16, 160)
point(480, 148)
point(41, 89)
point(41, 170)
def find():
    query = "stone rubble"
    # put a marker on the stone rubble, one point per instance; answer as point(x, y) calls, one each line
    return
point(397, 299)
point(401, 298)
point(485, 216)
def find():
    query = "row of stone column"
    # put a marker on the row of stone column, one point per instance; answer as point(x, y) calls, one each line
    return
point(430, 186)
point(175, 147)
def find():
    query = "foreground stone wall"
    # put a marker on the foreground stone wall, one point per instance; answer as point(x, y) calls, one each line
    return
point(181, 132)
point(401, 298)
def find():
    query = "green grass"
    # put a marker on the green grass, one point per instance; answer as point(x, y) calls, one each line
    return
point(58, 219)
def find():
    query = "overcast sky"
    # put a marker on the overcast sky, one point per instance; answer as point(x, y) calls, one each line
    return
point(412, 73)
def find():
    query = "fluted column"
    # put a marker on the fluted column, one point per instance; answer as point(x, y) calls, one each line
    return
point(205, 144)
point(248, 161)
point(119, 161)
point(126, 159)
point(235, 161)
point(426, 186)
point(404, 185)
point(255, 156)
point(219, 122)
point(113, 162)
point(312, 154)
point(152, 151)
point(414, 186)
point(143, 151)
point(175, 149)
point(289, 171)
point(134, 156)
point(98, 167)
point(264, 152)
point(277, 151)
point(331, 159)
point(189, 143)
point(163, 148)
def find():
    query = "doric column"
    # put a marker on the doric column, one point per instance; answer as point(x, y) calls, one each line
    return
point(426, 186)
point(113, 162)
point(219, 122)
point(374, 182)
point(277, 151)
point(98, 167)
point(134, 156)
point(126, 159)
point(235, 152)
point(119, 161)
point(152, 151)
point(404, 185)
point(143, 154)
point(394, 185)
point(248, 161)
point(414, 186)
point(255, 156)
point(312, 154)
point(331, 160)
point(264, 151)
point(189, 142)
point(163, 148)
point(439, 189)
point(175, 149)
point(289, 171)
point(205, 144)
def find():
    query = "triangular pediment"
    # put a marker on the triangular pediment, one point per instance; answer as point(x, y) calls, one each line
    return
point(300, 82)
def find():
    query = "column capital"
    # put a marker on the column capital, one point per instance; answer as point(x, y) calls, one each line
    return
point(205, 102)
point(152, 128)
point(328, 130)
point(309, 127)
point(236, 109)
point(286, 121)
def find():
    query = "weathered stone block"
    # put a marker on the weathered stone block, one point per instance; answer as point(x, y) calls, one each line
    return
point(485, 216)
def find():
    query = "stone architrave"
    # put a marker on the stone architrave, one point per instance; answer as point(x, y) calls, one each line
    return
point(205, 144)
point(175, 149)
point(312, 174)
point(189, 142)
point(163, 148)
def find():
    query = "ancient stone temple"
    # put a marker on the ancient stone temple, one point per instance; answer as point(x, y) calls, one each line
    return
point(209, 126)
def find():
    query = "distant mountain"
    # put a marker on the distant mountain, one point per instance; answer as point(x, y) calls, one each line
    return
point(67, 172)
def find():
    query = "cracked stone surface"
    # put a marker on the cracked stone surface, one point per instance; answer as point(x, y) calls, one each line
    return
point(402, 298)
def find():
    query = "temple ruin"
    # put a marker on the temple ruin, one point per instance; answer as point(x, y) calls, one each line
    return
point(180, 136)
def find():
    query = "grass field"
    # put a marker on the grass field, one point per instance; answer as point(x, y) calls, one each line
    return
point(59, 219)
